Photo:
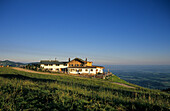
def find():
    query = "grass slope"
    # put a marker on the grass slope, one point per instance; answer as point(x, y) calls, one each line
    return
point(28, 91)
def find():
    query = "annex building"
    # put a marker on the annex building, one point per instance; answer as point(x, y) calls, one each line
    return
point(75, 66)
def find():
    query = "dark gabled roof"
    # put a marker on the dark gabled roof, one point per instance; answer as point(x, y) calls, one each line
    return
point(51, 62)
point(78, 59)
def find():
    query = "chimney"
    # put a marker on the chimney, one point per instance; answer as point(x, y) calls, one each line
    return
point(68, 59)
point(86, 59)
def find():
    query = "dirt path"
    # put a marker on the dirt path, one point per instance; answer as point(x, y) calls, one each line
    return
point(46, 73)
point(123, 85)
point(27, 70)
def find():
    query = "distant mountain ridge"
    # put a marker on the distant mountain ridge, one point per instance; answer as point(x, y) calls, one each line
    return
point(11, 63)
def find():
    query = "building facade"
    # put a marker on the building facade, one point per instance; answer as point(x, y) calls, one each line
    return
point(75, 66)
point(54, 66)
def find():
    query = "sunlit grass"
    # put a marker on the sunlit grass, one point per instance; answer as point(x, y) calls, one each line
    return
point(28, 91)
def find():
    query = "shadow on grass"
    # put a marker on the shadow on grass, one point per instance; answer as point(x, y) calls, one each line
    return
point(69, 83)
point(12, 76)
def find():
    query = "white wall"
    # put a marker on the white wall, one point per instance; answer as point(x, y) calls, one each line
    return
point(83, 71)
point(100, 70)
point(54, 67)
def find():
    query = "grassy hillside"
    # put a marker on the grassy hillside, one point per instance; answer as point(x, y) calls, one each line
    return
point(28, 91)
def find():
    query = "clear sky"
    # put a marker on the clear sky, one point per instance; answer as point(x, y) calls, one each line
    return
point(104, 31)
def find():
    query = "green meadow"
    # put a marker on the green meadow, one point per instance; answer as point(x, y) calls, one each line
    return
point(29, 91)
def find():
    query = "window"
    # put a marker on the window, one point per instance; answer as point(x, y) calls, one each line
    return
point(45, 64)
point(91, 69)
point(80, 70)
point(77, 65)
point(57, 64)
point(70, 64)
point(96, 69)
point(50, 64)
point(86, 70)
point(71, 70)
point(65, 64)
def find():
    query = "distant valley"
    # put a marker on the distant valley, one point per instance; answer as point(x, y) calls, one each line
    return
point(149, 76)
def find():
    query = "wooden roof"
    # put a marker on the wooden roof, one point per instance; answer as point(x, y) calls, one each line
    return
point(85, 66)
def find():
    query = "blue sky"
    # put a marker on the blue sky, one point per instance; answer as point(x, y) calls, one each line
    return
point(104, 31)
